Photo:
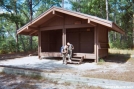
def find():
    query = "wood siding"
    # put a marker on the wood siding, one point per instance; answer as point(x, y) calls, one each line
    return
point(51, 41)
point(82, 39)
point(102, 41)
point(58, 21)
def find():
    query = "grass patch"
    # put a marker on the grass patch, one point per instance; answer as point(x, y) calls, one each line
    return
point(101, 62)
point(36, 77)
point(120, 51)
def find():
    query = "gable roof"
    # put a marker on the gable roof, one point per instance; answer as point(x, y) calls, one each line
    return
point(45, 16)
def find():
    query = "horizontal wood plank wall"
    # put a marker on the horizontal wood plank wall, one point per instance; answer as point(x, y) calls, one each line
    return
point(103, 41)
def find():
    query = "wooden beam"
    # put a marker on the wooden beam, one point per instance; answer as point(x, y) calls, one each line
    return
point(102, 22)
point(78, 26)
point(33, 32)
point(53, 12)
point(92, 23)
point(72, 13)
point(36, 34)
point(32, 28)
point(89, 20)
point(51, 28)
point(118, 29)
point(59, 14)
point(47, 22)
point(66, 26)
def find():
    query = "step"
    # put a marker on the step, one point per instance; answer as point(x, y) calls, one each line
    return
point(73, 62)
point(76, 59)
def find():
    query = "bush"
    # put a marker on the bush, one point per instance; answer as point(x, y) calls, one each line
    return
point(3, 52)
point(101, 60)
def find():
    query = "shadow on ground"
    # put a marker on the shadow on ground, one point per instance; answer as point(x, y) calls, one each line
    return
point(53, 58)
point(117, 58)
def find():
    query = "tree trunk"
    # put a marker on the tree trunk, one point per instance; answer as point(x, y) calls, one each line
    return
point(17, 47)
point(107, 17)
point(31, 15)
point(62, 3)
point(17, 27)
point(115, 34)
point(133, 29)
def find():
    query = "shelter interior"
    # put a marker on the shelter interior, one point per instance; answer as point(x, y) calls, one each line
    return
point(81, 38)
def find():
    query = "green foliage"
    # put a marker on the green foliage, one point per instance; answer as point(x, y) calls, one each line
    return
point(101, 60)
point(120, 12)
point(16, 14)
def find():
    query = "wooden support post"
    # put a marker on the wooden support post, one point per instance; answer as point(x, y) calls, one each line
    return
point(64, 33)
point(97, 41)
point(96, 44)
point(64, 36)
point(39, 44)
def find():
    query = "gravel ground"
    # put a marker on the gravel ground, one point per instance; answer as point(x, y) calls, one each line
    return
point(48, 64)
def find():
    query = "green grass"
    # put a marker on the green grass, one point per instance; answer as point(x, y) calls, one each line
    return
point(101, 61)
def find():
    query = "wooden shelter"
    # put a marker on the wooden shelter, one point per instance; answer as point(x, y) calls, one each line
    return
point(56, 26)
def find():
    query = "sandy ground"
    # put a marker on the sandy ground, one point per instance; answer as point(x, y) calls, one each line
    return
point(52, 64)
point(106, 70)
point(21, 82)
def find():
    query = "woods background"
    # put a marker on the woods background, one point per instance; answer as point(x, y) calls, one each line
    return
point(16, 13)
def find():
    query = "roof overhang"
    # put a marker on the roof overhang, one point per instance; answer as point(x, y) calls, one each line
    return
point(32, 27)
